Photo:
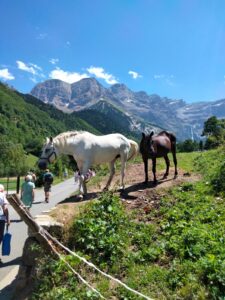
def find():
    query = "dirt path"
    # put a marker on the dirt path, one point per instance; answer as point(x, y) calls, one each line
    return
point(136, 194)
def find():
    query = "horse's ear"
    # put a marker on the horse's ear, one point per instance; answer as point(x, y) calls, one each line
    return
point(152, 133)
point(51, 139)
point(47, 140)
point(143, 135)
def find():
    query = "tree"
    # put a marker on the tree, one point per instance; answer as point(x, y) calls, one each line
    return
point(12, 158)
point(214, 130)
point(188, 146)
point(211, 127)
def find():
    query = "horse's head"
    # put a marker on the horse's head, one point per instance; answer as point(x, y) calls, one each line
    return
point(146, 144)
point(48, 154)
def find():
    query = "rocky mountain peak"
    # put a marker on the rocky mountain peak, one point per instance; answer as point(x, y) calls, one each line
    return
point(121, 92)
point(185, 120)
point(53, 91)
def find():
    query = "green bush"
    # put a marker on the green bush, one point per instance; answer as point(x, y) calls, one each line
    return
point(101, 231)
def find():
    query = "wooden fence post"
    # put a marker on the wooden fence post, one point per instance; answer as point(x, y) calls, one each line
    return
point(25, 215)
point(18, 184)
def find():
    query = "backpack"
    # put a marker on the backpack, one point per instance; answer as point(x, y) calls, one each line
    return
point(48, 178)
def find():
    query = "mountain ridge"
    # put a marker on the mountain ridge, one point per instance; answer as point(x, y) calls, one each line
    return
point(185, 120)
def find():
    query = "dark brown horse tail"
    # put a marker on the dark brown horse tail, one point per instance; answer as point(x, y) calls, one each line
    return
point(173, 141)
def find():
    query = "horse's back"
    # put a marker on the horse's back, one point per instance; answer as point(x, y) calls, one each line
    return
point(161, 145)
point(103, 148)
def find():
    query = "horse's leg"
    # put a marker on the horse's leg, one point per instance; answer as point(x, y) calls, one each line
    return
point(154, 169)
point(83, 170)
point(112, 172)
point(146, 169)
point(123, 167)
point(167, 165)
point(175, 163)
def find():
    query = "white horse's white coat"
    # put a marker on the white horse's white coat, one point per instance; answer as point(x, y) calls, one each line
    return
point(89, 149)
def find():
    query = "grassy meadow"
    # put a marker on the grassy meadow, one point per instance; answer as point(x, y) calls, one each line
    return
point(176, 250)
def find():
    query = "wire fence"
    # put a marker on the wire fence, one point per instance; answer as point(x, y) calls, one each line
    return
point(52, 244)
point(92, 266)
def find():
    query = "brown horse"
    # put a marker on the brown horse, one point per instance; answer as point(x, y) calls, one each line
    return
point(153, 146)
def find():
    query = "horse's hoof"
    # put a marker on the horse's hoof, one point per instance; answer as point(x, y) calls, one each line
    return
point(80, 197)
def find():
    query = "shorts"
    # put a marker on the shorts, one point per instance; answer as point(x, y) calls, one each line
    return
point(47, 187)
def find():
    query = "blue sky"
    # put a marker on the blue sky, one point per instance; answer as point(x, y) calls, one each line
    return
point(173, 48)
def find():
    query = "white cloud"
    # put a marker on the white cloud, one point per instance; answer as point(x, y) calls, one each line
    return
point(36, 67)
point(134, 74)
point(26, 67)
point(31, 68)
point(6, 75)
point(100, 73)
point(69, 77)
point(54, 61)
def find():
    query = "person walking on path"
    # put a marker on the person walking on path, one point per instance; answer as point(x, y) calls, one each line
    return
point(27, 191)
point(4, 213)
point(47, 180)
point(34, 177)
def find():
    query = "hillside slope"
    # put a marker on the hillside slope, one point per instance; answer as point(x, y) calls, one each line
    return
point(28, 121)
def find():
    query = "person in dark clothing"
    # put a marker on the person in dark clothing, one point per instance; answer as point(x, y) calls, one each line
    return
point(4, 213)
point(47, 180)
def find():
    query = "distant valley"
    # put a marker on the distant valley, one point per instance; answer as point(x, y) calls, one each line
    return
point(140, 111)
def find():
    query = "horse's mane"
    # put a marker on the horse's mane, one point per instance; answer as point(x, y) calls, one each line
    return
point(67, 134)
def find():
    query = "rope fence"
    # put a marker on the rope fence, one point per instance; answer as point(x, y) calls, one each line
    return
point(47, 241)
point(96, 268)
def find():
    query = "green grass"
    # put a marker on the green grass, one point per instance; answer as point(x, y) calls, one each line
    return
point(175, 250)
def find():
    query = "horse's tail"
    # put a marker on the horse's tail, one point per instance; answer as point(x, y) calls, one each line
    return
point(173, 141)
point(134, 149)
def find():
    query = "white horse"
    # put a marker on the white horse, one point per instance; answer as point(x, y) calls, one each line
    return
point(89, 149)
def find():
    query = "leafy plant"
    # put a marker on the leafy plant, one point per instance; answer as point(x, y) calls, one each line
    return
point(98, 230)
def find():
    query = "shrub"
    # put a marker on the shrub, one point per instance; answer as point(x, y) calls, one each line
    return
point(101, 230)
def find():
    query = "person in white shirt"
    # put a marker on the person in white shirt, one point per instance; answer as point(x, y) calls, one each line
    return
point(4, 213)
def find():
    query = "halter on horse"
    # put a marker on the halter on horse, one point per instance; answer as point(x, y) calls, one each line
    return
point(153, 146)
point(89, 149)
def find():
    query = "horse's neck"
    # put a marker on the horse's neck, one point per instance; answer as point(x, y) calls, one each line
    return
point(64, 147)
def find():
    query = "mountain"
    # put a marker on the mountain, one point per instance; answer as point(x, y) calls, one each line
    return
point(28, 120)
point(185, 120)
point(114, 120)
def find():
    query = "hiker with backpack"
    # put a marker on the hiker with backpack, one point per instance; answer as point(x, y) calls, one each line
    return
point(47, 180)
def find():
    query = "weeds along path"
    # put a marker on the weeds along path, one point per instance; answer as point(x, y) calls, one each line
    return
point(136, 194)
